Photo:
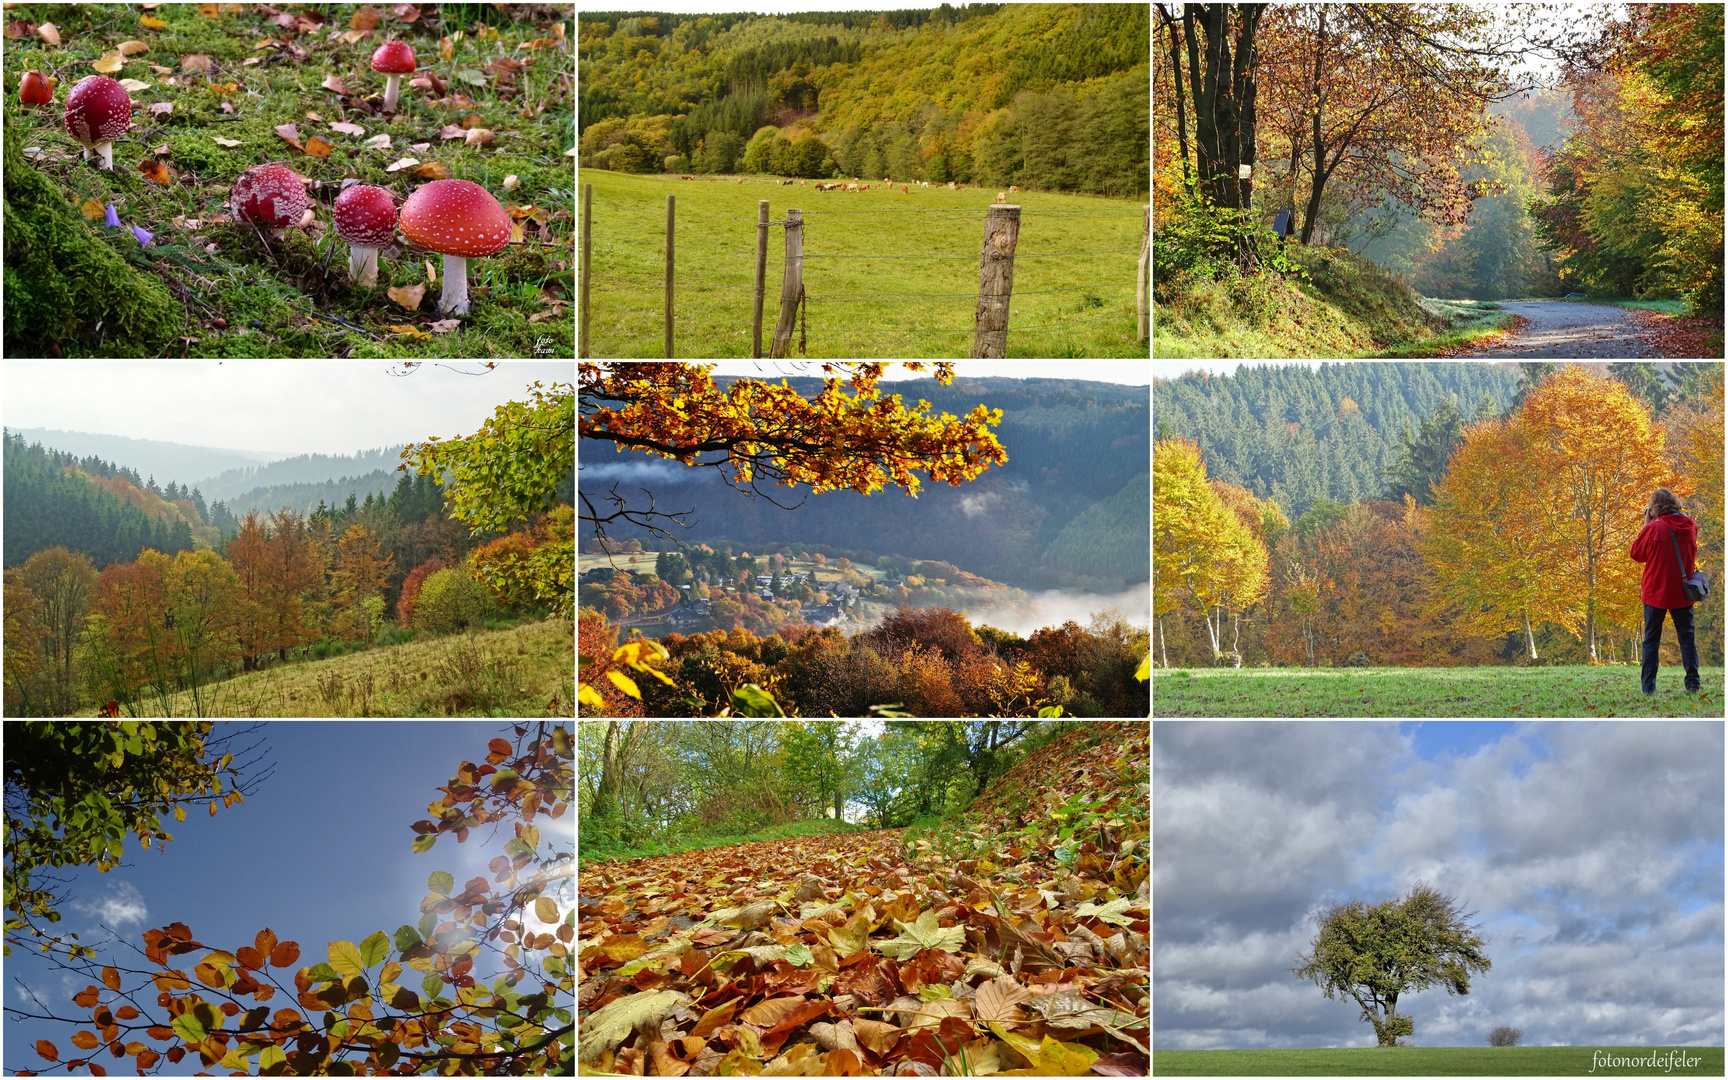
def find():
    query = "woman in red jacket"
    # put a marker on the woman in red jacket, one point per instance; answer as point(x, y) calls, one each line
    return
point(1663, 592)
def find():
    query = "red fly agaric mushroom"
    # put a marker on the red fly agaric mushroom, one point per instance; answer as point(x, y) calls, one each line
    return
point(33, 89)
point(460, 220)
point(271, 195)
point(366, 218)
point(395, 59)
point(98, 111)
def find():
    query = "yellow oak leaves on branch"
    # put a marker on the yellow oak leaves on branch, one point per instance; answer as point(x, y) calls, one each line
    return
point(859, 440)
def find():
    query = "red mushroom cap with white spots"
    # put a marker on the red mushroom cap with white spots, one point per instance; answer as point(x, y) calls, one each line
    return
point(393, 58)
point(272, 195)
point(456, 217)
point(98, 110)
point(365, 216)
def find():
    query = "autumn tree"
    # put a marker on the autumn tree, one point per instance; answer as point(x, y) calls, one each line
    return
point(1223, 60)
point(202, 602)
point(358, 580)
point(355, 1015)
point(1199, 546)
point(1375, 955)
point(74, 791)
point(818, 756)
point(247, 555)
point(129, 642)
point(60, 581)
point(295, 572)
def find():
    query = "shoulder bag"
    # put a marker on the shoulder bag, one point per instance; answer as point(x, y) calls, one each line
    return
point(1697, 584)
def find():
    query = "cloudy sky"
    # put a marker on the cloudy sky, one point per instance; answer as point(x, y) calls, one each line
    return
point(285, 407)
point(319, 852)
point(1592, 853)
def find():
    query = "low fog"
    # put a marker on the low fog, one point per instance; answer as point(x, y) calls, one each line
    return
point(1053, 607)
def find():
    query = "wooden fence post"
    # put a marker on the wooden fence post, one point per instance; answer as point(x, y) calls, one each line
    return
point(791, 284)
point(761, 278)
point(587, 262)
point(671, 216)
point(995, 282)
point(1145, 264)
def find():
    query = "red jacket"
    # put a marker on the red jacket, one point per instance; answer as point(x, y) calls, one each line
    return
point(1662, 578)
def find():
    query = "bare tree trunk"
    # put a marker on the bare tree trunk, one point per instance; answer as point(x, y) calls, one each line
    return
point(1161, 649)
point(1529, 636)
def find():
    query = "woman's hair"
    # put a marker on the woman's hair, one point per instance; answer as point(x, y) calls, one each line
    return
point(1664, 502)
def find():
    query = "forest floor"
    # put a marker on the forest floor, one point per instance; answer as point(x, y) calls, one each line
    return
point(1570, 691)
point(218, 89)
point(1014, 937)
point(1442, 1061)
point(1575, 331)
point(525, 670)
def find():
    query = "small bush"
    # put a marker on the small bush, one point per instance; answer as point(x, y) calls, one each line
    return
point(411, 589)
point(451, 600)
point(1504, 1036)
point(1360, 659)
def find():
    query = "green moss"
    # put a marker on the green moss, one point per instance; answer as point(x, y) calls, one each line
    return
point(68, 292)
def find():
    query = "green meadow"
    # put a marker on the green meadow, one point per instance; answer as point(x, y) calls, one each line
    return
point(1561, 690)
point(886, 273)
point(1445, 1061)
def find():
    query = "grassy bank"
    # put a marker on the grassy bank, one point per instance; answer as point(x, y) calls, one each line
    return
point(526, 670)
point(1574, 691)
point(1346, 307)
point(1444, 1061)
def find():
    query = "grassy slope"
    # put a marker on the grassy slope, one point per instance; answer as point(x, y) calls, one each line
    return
point(1435, 1061)
point(715, 269)
point(278, 285)
point(1574, 691)
point(1348, 308)
point(520, 671)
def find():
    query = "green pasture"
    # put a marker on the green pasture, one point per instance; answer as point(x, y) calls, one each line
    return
point(1079, 302)
point(1443, 1061)
point(1572, 691)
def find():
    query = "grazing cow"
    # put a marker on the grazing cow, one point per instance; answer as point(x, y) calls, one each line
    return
point(1011, 187)
point(740, 179)
point(950, 185)
point(903, 190)
point(802, 184)
point(962, 187)
point(785, 183)
point(1001, 196)
point(851, 187)
point(686, 178)
point(887, 180)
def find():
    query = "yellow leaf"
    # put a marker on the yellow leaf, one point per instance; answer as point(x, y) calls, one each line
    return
point(345, 959)
point(50, 33)
point(108, 65)
point(92, 209)
point(409, 296)
point(127, 48)
point(318, 147)
point(587, 695)
point(625, 683)
point(546, 910)
point(151, 22)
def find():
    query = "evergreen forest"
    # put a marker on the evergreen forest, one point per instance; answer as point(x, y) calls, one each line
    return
point(1425, 514)
point(1050, 97)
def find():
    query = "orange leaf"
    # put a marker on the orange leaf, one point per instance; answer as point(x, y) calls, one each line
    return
point(433, 170)
point(111, 977)
point(335, 85)
point(771, 1012)
point(85, 1040)
point(159, 1032)
point(285, 954)
point(290, 132)
point(364, 19)
point(127, 1012)
point(318, 147)
point(47, 1050)
point(93, 209)
point(151, 22)
point(50, 33)
point(409, 296)
point(158, 172)
point(265, 942)
point(87, 997)
point(249, 957)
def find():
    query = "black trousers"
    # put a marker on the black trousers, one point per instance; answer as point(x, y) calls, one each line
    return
point(1653, 642)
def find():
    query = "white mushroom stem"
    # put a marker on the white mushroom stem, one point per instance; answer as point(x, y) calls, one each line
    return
point(106, 149)
point(392, 87)
point(363, 264)
point(454, 299)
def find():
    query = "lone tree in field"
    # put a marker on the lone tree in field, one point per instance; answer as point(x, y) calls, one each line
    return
point(1504, 1036)
point(1377, 954)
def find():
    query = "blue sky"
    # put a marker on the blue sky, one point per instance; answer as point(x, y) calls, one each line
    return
point(320, 853)
point(1590, 851)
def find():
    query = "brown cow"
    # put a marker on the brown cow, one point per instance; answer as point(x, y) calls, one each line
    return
point(1011, 187)
point(1001, 196)
point(903, 190)
point(740, 179)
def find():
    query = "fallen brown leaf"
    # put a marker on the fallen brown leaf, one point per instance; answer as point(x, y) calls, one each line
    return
point(480, 137)
point(49, 33)
point(364, 19)
point(349, 37)
point(346, 128)
point(444, 326)
point(318, 147)
point(127, 48)
point(161, 108)
point(20, 28)
point(290, 132)
point(409, 296)
point(405, 13)
point(157, 171)
point(93, 209)
point(195, 62)
point(433, 170)
point(335, 85)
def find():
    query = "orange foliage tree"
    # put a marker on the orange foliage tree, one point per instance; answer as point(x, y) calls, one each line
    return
point(355, 1016)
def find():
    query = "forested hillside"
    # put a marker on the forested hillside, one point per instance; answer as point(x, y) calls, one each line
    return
point(152, 457)
point(303, 469)
point(88, 505)
point(1497, 535)
point(1294, 434)
point(1044, 96)
point(1072, 446)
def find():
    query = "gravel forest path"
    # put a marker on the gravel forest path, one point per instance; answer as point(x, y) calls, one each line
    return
point(1560, 330)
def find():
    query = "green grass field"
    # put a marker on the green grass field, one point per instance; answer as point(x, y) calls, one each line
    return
point(1572, 691)
point(1442, 1061)
point(856, 307)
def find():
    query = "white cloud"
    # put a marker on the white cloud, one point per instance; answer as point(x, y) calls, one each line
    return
point(121, 906)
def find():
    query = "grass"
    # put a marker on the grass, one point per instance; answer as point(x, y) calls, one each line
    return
point(907, 306)
point(1347, 307)
point(1573, 691)
point(600, 847)
point(246, 295)
point(1440, 1061)
point(520, 671)
point(1661, 307)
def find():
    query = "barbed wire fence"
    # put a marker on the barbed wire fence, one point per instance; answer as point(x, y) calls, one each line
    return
point(990, 325)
